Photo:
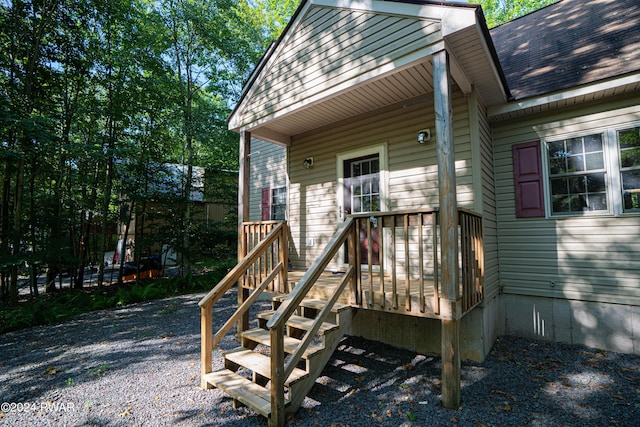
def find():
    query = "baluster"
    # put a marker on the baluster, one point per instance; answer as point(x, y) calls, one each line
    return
point(370, 261)
point(380, 227)
point(394, 283)
point(407, 279)
point(420, 263)
point(436, 273)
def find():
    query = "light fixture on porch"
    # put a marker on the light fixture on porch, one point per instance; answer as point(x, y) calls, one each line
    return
point(308, 163)
point(424, 135)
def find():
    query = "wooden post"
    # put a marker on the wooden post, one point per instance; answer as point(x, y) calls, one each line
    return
point(206, 340)
point(277, 377)
point(244, 172)
point(283, 257)
point(448, 230)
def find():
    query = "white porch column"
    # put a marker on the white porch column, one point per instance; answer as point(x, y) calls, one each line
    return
point(243, 213)
point(448, 230)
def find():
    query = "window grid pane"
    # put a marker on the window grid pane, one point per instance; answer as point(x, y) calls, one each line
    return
point(629, 140)
point(278, 203)
point(365, 190)
point(577, 175)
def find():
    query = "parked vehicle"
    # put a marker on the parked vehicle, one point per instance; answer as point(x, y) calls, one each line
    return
point(146, 268)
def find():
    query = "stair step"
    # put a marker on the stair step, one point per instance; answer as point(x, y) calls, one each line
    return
point(316, 304)
point(263, 337)
point(261, 364)
point(300, 322)
point(246, 391)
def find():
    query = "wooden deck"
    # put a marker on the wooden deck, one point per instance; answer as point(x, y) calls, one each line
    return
point(372, 293)
point(401, 275)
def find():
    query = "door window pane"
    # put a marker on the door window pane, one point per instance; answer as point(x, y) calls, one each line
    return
point(362, 188)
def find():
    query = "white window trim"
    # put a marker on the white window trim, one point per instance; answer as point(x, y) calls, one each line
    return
point(381, 151)
point(286, 201)
point(611, 149)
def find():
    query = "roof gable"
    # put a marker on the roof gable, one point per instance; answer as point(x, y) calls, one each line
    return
point(569, 43)
point(338, 58)
point(331, 48)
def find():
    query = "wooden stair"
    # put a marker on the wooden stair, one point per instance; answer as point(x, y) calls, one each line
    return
point(247, 373)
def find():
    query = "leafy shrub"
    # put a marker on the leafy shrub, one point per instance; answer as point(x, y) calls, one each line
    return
point(61, 306)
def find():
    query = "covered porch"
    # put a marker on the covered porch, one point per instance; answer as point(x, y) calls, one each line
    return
point(313, 309)
point(347, 90)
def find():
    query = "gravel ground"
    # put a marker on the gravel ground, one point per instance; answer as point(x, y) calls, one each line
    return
point(139, 366)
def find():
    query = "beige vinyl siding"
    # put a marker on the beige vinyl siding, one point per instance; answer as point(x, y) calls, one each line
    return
point(412, 169)
point(486, 195)
point(268, 169)
point(592, 258)
point(332, 47)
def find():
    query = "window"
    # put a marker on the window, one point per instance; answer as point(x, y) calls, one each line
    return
point(274, 203)
point(278, 203)
point(362, 184)
point(596, 173)
point(577, 175)
point(629, 141)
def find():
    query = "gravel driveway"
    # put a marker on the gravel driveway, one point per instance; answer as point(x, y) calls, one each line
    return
point(139, 366)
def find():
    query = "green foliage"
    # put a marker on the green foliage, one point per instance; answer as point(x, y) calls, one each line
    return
point(93, 96)
point(62, 306)
point(498, 12)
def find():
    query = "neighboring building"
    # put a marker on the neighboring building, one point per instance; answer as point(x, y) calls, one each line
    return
point(156, 230)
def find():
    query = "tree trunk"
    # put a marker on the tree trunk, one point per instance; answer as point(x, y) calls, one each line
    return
point(124, 241)
point(17, 232)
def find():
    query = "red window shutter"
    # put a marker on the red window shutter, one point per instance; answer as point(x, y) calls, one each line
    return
point(266, 204)
point(527, 170)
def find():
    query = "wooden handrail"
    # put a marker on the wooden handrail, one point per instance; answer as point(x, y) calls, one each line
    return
point(238, 271)
point(319, 320)
point(246, 304)
point(291, 301)
point(232, 277)
point(280, 372)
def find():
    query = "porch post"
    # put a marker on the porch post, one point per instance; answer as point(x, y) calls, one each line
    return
point(243, 215)
point(448, 231)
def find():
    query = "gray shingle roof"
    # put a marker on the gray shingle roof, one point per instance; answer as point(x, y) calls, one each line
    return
point(569, 43)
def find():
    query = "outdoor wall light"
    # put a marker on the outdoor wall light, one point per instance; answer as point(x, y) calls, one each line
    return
point(308, 163)
point(424, 136)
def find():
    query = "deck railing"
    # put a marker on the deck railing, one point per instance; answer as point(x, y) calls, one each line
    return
point(274, 238)
point(472, 256)
point(398, 253)
point(392, 264)
point(398, 264)
point(252, 234)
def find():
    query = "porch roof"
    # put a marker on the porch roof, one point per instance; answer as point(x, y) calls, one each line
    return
point(338, 59)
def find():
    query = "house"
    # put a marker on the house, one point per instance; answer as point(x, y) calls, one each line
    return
point(156, 195)
point(485, 183)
